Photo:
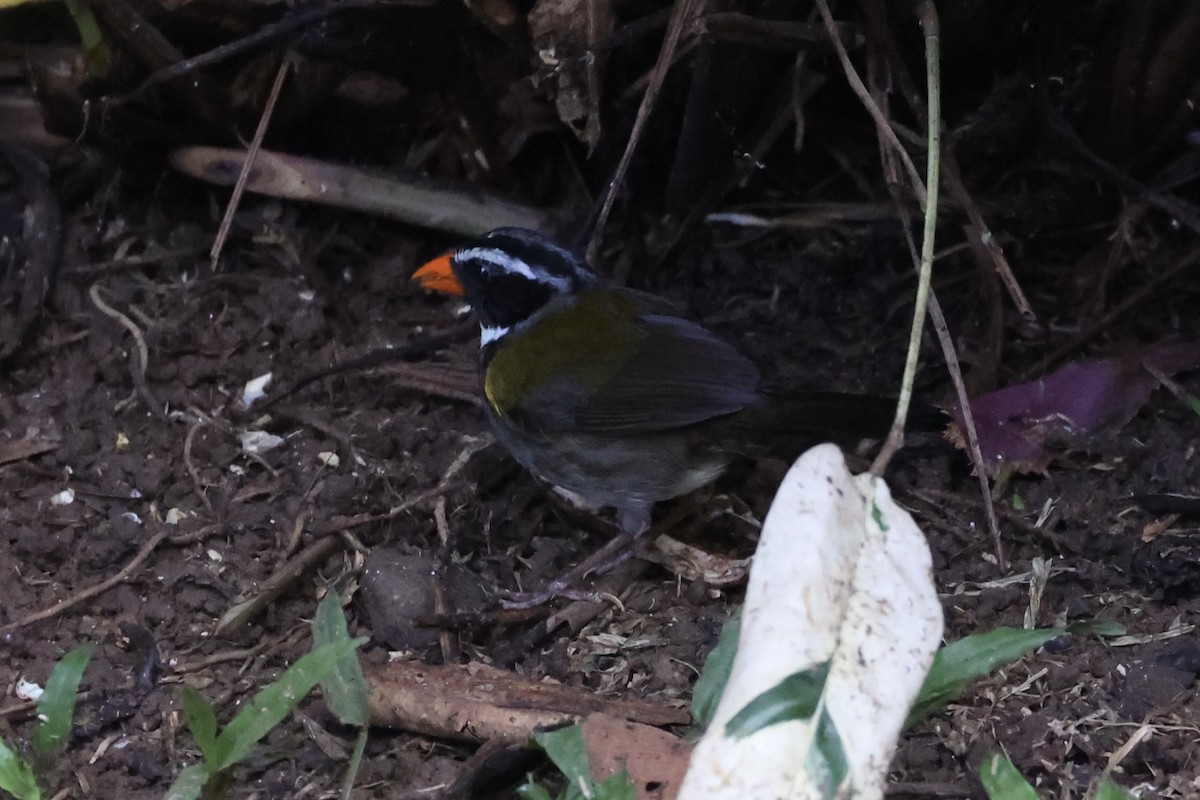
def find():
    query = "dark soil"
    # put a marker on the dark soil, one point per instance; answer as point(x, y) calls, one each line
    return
point(1060, 714)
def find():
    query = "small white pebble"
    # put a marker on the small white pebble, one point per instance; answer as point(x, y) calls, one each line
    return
point(255, 389)
point(28, 690)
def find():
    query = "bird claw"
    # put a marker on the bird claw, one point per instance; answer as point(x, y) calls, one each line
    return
point(604, 560)
point(524, 600)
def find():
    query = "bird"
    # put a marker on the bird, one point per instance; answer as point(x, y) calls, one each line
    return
point(611, 394)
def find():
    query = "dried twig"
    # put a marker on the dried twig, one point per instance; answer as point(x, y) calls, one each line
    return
point(682, 19)
point(190, 465)
point(142, 360)
point(325, 543)
point(882, 126)
point(263, 37)
point(408, 198)
point(882, 36)
point(236, 655)
point(239, 613)
point(91, 591)
point(239, 187)
point(1144, 293)
point(447, 640)
point(895, 439)
point(964, 404)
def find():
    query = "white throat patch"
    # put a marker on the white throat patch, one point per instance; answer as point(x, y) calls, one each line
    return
point(490, 255)
point(489, 334)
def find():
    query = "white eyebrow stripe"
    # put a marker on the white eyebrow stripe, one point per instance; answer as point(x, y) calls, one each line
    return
point(489, 334)
point(490, 255)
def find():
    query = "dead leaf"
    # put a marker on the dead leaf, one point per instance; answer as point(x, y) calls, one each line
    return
point(654, 759)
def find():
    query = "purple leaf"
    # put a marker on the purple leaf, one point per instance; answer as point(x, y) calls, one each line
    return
point(1022, 427)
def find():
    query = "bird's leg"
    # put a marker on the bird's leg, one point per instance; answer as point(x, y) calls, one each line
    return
point(618, 550)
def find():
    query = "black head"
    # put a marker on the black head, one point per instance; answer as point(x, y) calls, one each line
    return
point(510, 274)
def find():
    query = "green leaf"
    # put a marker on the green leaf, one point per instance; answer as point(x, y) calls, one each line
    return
point(97, 53)
point(827, 760)
point(566, 749)
point(615, 787)
point(189, 784)
point(1194, 404)
point(201, 720)
point(957, 664)
point(1002, 781)
point(877, 515)
point(1107, 790)
point(794, 697)
point(56, 709)
point(16, 777)
point(1096, 627)
point(346, 688)
point(715, 674)
point(274, 702)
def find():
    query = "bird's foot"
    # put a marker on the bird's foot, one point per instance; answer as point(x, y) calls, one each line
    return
point(514, 601)
point(604, 560)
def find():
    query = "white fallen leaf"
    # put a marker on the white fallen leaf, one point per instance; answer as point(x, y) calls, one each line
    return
point(842, 578)
point(329, 459)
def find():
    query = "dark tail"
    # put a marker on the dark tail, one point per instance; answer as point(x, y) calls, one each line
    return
point(828, 415)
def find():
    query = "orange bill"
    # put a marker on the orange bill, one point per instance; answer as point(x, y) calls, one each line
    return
point(438, 276)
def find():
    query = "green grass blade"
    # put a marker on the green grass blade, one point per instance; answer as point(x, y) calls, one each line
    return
point(360, 747)
point(16, 777)
point(1002, 781)
point(1107, 790)
point(346, 688)
point(961, 662)
point(274, 702)
point(202, 722)
point(56, 709)
point(189, 784)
